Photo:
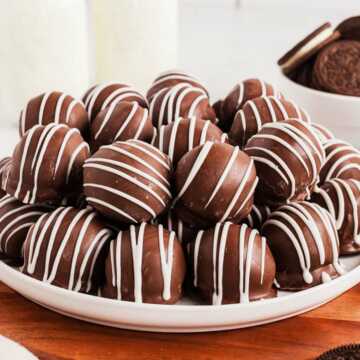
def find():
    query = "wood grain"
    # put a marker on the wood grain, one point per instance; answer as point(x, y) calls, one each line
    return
point(51, 336)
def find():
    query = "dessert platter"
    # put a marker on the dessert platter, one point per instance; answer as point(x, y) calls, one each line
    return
point(166, 212)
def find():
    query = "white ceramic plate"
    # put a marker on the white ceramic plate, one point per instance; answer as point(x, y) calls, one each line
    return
point(184, 317)
point(11, 350)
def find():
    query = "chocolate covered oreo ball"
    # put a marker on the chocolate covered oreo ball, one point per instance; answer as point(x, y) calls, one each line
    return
point(145, 264)
point(54, 107)
point(16, 219)
point(182, 100)
point(128, 181)
point(342, 199)
point(242, 92)
point(119, 122)
point(171, 78)
point(47, 164)
point(181, 136)
point(303, 239)
point(342, 161)
point(66, 248)
point(232, 264)
point(288, 157)
point(255, 113)
point(99, 97)
point(214, 182)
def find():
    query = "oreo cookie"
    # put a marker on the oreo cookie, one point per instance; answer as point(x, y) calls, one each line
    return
point(350, 28)
point(345, 352)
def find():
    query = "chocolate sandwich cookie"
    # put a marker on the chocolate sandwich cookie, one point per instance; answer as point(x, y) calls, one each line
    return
point(350, 28)
point(345, 352)
point(337, 68)
point(308, 47)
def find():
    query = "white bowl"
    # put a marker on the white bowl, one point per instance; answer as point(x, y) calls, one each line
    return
point(339, 113)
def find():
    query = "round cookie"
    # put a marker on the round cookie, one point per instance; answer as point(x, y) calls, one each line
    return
point(337, 68)
point(119, 122)
point(101, 96)
point(66, 248)
point(303, 239)
point(47, 164)
point(255, 113)
point(16, 219)
point(232, 264)
point(182, 100)
point(54, 107)
point(342, 199)
point(171, 78)
point(350, 28)
point(182, 135)
point(342, 161)
point(145, 264)
point(214, 182)
point(242, 92)
point(288, 157)
point(128, 181)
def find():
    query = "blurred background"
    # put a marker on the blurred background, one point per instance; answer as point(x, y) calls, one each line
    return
point(69, 44)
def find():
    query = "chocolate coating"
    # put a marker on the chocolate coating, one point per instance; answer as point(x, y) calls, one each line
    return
point(350, 28)
point(119, 122)
point(288, 157)
point(181, 136)
point(145, 264)
point(342, 161)
point(54, 107)
point(257, 216)
point(255, 113)
point(128, 181)
point(323, 133)
point(342, 199)
point(242, 269)
point(4, 173)
point(214, 182)
point(47, 164)
point(99, 97)
point(303, 239)
point(66, 248)
point(182, 100)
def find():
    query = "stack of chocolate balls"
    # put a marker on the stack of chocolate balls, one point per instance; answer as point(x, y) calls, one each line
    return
point(125, 196)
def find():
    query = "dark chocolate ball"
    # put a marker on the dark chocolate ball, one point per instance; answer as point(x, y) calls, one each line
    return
point(54, 107)
point(66, 248)
point(215, 182)
point(47, 164)
point(182, 135)
point(342, 199)
point(128, 181)
point(119, 122)
point(288, 157)
point(232, 264)
point(257, 112)
point(303, 239)
point(145, 264)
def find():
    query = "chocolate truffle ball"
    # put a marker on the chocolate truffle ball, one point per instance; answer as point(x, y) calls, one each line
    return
point(242, 92)
point(15, 220)
point(101, 96)
point(66, 248)
point(171, 78)
point(288, 157)
point(119, 122)
point(215, 182)
point(4, 173)
point(54, 107)
point(47, 164)
point(322, 132)
point(181, 136)
point(182, 100)
point(128, 181)
point(342, 199)
point(257, 216)
point(232, 264)
point(342, 161)
point(303, 239)
point(145, 264)
point(255, 113)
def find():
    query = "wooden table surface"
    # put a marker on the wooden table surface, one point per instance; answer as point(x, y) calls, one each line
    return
point(53, 336)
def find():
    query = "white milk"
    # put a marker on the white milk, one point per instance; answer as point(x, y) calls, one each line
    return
point(134, 39)
point(44, 46)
